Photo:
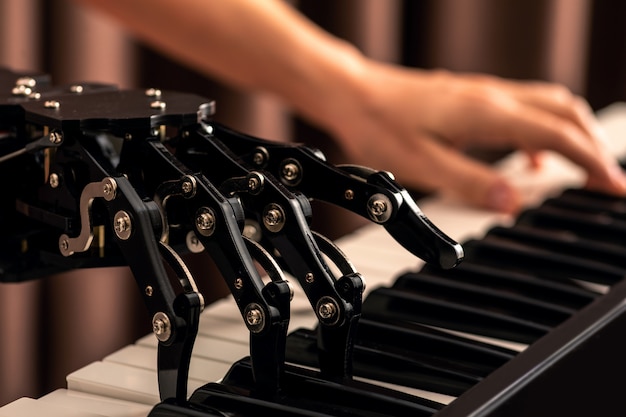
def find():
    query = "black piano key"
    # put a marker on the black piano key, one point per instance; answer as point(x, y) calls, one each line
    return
point(545, 263)
point(374, 362)
point(303, 389)
point(592, 226)
point(588, 201)
point(564, 242)
point(564, 294)
point(471, 293)
point(464, 313)
point(411, 355)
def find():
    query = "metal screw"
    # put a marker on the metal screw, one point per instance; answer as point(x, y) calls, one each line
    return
point(122, 225)
point(255, 318)
point(291, 172)
point(54, 180)
point(253, 183)
point(21, 90)
point(260, 156)
point(109, 189)
point(52, 104)
point(161, 326)
point(56, 137)
point(327, 310)
point(64, 244)
point(238, 283)
point(128, 136)
point(205, 221)
point(149, 291)
point(153, 92)
point(274, 218)
point(309, 277)
point(188, 187)
point(26, 81)
point(158, 105)
point(379, 208)
point(76, 89)
point(349, 194)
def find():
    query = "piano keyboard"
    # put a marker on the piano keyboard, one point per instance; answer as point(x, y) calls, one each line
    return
point(539, 363)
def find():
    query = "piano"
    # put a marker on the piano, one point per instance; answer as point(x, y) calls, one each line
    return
point(542, 294)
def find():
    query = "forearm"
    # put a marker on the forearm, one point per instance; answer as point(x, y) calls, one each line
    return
point(250, 44)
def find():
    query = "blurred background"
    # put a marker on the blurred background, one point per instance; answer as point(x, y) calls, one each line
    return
point(51, 327)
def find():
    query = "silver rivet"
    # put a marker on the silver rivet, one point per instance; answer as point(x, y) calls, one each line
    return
point(149, 291)
point(309, 278)
point(349, 194)
point(76, 89)
point(238, 283)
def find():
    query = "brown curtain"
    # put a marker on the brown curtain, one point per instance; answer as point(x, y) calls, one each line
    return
point(55, 325)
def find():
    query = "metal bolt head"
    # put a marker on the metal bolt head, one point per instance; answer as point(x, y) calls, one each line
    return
point(238, 283)
point(260, 156)
point(290, 171)
point(64, 244)
point(327, 310)
point(309, 278)
point(205, 221)
point(149, 290)
point(161, 327)
point(188, 186)
point(274, 217)
point(349, 195)
point(255, 318)
point(76, 89)
point(56, 137)
point(109, 189)
point(153, 92)
point(54, 180)
point(158, 105)
point(122, 225)
point(26, 82)
point(379, 208)
point(52, 104)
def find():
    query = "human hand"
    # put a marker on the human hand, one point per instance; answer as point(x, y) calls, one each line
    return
point(416, 124)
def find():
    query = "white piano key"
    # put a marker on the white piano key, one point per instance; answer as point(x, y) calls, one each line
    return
point(30, 407)
point(225, 351)
point(120, 381)
point(110, 407)
point(203, 368)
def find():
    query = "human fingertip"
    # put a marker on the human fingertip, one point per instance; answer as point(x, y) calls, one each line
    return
point(502, 197)
point(618, 178)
